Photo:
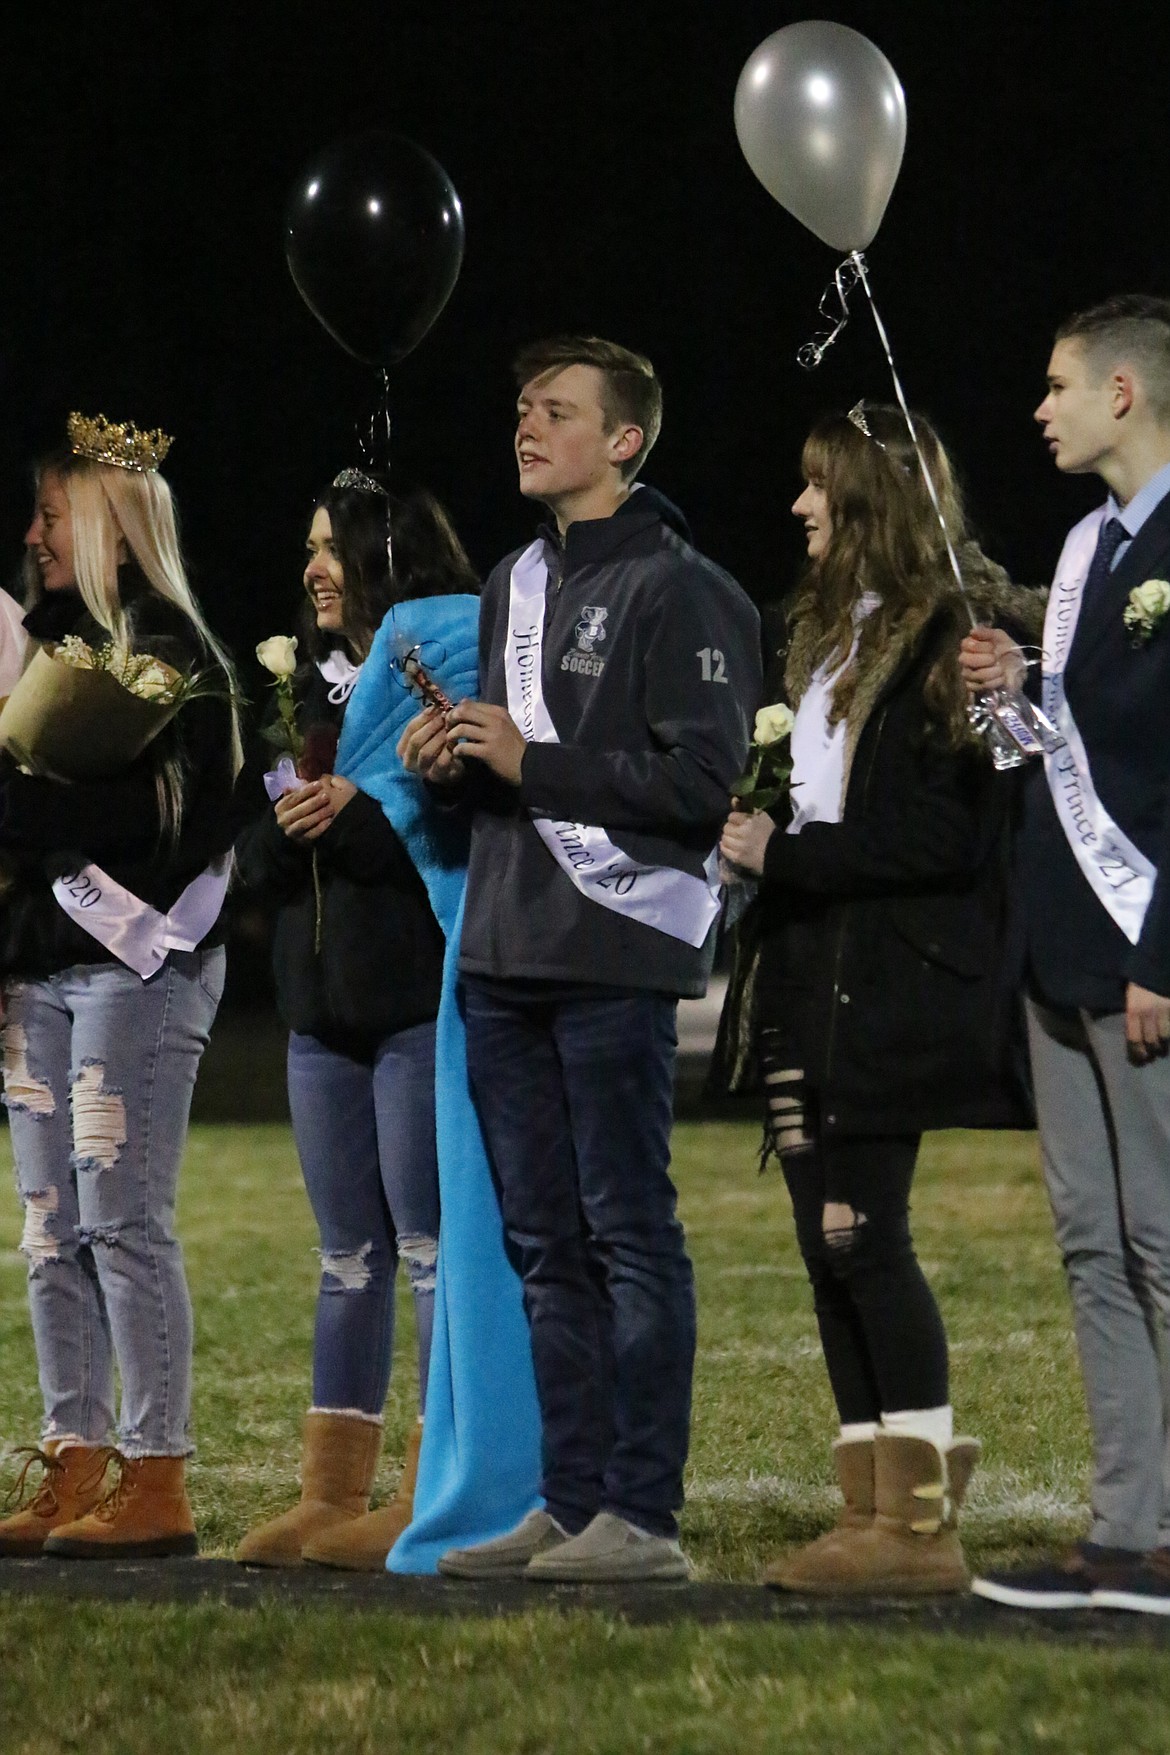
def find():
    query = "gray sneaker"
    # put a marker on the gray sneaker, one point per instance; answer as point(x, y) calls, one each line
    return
point(506, 1556)
point(610, 1551)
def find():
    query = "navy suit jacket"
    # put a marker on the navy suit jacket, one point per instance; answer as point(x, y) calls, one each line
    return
point(1119, 694)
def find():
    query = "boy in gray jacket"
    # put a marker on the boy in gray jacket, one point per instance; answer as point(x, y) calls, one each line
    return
point(619, 675)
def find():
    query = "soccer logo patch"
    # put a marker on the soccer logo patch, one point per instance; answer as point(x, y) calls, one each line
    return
point(589, 630)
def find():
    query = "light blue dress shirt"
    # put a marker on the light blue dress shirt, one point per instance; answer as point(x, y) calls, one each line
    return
point(1134, 515)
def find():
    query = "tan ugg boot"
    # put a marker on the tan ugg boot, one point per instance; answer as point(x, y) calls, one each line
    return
point(146, 1515)
point(363, 1544)
point(911, 1548)
point(816, 1566)
point(962, 1455)
point(338, 1461)
point(72, 1483)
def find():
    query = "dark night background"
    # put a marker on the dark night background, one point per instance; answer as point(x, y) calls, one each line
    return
point(148, 152)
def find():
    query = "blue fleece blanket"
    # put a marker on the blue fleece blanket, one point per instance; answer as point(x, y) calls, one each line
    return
point(480, 1464)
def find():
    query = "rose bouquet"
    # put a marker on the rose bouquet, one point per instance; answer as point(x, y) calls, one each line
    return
point(82, 712)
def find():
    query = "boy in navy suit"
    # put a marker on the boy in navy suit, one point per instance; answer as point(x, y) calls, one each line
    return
point(1094, 888)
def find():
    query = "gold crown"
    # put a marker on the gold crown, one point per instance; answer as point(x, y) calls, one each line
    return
point(123, 445)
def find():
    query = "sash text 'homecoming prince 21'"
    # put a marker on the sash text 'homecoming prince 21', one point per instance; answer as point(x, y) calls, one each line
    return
point(619, 672)
point(1094, 875)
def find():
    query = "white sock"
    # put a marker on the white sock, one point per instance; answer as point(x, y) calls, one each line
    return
point(937, 1425)
point(349, 1414)
point(858, 1431)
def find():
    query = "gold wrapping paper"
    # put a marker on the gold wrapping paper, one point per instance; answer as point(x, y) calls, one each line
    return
point(71, 724)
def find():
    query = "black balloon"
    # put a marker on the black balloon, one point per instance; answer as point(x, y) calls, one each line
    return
point(374, 243)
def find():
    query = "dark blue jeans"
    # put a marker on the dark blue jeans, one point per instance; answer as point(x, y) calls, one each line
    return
point(574, 1086)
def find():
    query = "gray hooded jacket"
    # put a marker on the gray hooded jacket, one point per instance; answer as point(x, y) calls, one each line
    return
point(652, 676)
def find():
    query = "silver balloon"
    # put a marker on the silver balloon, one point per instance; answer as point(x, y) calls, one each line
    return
point(821, 119)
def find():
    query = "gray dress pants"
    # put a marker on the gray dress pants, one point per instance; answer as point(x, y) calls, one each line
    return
point(1105, 1139)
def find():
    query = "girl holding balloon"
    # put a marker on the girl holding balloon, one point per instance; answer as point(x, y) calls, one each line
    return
point(880, 1008)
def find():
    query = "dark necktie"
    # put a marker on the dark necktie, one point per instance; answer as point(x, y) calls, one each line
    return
point(1113, 534)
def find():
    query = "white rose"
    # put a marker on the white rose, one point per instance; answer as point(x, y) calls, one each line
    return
point(155, 682)
point(772, 724)
point(74, 652)
point(278, 654)
point(1152, 598)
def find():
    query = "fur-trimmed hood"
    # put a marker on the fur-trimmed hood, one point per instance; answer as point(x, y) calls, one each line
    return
point(941, 618)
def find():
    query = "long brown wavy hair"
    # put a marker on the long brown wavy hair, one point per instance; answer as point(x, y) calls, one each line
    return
point(885, 539)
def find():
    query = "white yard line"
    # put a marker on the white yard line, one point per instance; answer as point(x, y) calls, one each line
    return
point(990, 1502)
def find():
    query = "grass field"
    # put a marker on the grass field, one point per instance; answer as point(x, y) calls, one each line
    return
point(276, 1679)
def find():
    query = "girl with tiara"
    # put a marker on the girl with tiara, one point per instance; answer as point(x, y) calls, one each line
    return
point(358, 958)
point(882, 1006)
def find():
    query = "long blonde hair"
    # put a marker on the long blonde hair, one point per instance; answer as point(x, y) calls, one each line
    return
point(131, 512)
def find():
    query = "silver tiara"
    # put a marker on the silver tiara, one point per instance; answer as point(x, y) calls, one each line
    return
point(356, 478)
point(857, 416)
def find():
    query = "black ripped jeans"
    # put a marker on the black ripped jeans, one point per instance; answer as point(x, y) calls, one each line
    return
point(881, 1331)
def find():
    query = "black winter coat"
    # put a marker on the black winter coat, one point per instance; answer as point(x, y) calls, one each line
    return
point(890, 925)
point(380, 964)
point(48, 827)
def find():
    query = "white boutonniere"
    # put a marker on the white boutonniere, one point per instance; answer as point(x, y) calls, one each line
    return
point(1147, 607)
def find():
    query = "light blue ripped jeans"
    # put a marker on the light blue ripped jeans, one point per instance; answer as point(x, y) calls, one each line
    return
point(365, 1131)
point(99, 1067)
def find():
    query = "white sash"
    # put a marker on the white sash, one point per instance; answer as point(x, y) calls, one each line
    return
point(136, 933)
point(1119, 874)
point(672, 901)
point(817, 780)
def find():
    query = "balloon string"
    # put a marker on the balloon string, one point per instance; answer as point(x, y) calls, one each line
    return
point(385, 412)
point(844, 280)
point(1014, 727)
point(386, 419)
point(848, 274)
point(858, 261)
point(373, 441)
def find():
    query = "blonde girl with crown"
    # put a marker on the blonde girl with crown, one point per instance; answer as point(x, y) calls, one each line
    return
point(112, 967)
